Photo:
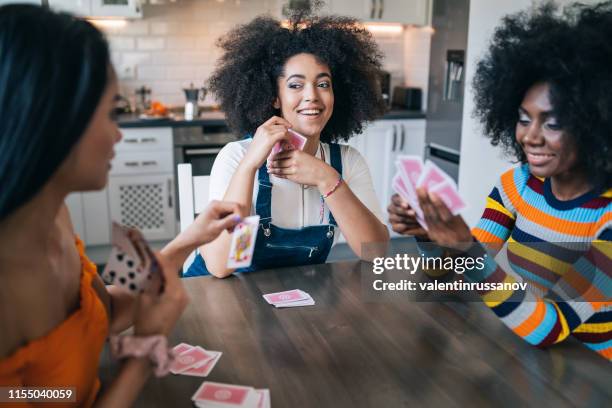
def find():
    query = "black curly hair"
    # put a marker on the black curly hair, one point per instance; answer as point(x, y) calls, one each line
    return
point(572, 52)
point(245, 79)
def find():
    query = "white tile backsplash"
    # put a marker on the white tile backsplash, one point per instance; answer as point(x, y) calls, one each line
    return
point(151, 43)
point(174, 44)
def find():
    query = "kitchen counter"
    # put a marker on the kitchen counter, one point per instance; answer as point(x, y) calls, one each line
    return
point(217, 118)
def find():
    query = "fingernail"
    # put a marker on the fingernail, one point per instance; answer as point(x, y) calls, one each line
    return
point(237, 218)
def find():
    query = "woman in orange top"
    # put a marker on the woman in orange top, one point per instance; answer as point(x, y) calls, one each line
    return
point(57, 93)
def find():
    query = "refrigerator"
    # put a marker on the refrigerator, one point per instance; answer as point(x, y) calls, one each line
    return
point(446, 84)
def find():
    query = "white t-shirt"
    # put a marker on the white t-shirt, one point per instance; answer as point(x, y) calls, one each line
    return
point(294, 206)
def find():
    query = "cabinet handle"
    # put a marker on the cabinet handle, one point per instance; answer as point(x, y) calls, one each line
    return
point(149, 163)
point(381, 9)
point(372, 8)
point(130, 140)
point(131, 164)
point(148, 140)
point(169, 193)
point(402, 142)
point(394, 138)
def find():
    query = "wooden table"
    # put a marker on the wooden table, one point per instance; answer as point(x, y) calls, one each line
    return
point(346, 352)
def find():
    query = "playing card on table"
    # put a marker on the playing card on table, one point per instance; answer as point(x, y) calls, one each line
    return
point(243, 243)
point(307, 302)
point(132, 264)
point(449, 195)
point(264, 398)
point(179, 348)
point(204, 370)
point(286, 296)
point(194, 357)
point(212, 394)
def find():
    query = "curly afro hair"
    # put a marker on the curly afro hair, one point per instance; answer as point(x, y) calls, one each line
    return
point(572, 52)
point(245, 78)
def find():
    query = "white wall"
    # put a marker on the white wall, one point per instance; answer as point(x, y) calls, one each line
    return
point(481, 163)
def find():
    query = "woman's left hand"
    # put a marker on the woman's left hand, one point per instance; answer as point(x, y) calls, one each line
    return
point(444, 228)
point(303, 168)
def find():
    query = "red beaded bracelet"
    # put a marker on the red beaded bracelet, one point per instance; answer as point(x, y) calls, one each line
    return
point(330, 192)
point(324, 196)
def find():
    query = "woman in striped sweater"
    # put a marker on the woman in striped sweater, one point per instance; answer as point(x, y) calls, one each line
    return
point(543, 91)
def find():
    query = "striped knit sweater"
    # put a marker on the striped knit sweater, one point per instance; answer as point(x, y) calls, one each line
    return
point(570, 290)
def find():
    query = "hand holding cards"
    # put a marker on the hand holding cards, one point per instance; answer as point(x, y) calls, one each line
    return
point(413, 174)
point(132, 265)
point(296, 142)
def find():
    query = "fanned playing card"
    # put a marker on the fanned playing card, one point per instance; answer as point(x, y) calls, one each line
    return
point(132, 264)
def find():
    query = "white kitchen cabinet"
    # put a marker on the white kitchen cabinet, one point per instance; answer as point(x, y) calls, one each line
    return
point(116, 8)
point(146, 202)
point(374, 144)
point(90, 216)
point(141, 182)
point(390, 11)
point(80, 8)
point(381, 143)
point(99, 8)
point(37, 2)
point(97, 217)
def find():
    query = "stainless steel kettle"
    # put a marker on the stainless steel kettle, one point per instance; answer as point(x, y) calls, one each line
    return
point(193, 96)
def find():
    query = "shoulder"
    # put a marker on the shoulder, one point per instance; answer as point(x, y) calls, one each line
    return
point(515, 179)
point(350, 156)
point(230, 156)
point(235, 149)
point(604, 224)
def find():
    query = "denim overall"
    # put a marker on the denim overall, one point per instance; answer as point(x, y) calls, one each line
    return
point(277, 247)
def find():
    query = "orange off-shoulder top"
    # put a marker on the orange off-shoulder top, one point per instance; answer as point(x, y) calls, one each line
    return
point(69, 355)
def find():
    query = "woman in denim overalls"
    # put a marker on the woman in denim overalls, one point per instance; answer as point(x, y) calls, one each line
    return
point(320, 76)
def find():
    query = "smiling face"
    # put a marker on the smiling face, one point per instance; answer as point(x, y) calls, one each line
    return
point(87, 166)
point(305, 94)
point(550, 151)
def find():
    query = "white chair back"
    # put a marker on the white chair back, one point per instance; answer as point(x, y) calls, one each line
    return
point(193, 199)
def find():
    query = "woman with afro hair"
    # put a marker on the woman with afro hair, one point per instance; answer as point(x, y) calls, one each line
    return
point(317, 77)
point(544, 92)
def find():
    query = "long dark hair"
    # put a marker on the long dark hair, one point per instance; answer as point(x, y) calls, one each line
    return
point(53, 71)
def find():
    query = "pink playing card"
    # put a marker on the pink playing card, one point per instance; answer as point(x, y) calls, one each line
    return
point(229, 395)
point(286, 296)
point(189, 359)
point(432, 175)
point(180, 348)
point(399, 186)
point(410, 167)
point(449, 195)
point(243, 243)
point(296, 140)
point(264, 398)
point(204, 369)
